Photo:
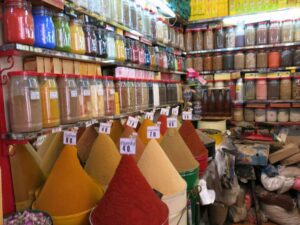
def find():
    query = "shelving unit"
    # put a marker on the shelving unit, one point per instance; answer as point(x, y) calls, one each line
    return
point(252, 124)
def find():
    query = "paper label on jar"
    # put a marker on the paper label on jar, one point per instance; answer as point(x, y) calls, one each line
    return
point(34, 95)
point(127, 146)
point(153, 132)
point(70, 138)
point(171, 123)
point(86, 92)
point(53, 95)
point(74, 93)
point(100, 92)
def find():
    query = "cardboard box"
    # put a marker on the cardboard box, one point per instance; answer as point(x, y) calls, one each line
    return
point(34, 64)
point(48, 65)
point(286, 152)
point(77, 67)
point(56, 66)
point(83, 68)
point(68, 66)
point(255, 155)
point(291, 160)
point(92, 69)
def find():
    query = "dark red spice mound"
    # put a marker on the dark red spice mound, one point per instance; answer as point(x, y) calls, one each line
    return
point(163, 125)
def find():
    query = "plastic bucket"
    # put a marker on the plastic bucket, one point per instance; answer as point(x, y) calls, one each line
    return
point(203, 163)
point(190, 177)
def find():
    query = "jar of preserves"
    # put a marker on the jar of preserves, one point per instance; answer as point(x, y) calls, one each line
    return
point(207, 63)
point(77, 37)
point(90, 40)
point(111, 46)
point(285, 88)
point(230, 37)
point(121, 89)
point(262, 33)
point(62, 32)
point(260, 115)
point(273, 88)
point(97, 97)
point(24, 102)
point(274, 32)
point(228, 61)
point(198, 63)
point(283, 115)
point(239, 60)
point(262, 59)
point(198, 40)
point(208, 42)
point(18, 25)
point(295, 114)
point(217, 62)
point(271, 114)
point(297, 57)
point(296, 87)
point(250, 89)
point(120, 48)
point(240, 36)
point(287, 31)
point(249, 114)
point(44, 31)
point(250, 60)
point(238, 113)
point(85, 100)
point(219, 38)
point(109, 96)
point(250, 34)
point(274, 59)
point(297, 30)
point(261, 89)
point(286, 57)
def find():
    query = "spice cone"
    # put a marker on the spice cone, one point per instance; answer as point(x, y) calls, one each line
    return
point(163, 124)
point(103, 160)
point(86, 142)
point(142, 132)
point(44, 147)
point(116, 131)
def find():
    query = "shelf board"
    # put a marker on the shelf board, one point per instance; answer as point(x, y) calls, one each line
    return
point(251, 124)
point(266, 101)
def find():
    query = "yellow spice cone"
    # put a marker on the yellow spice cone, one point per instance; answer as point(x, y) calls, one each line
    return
point(44, 147)
point(116, 131)
point(142, 132)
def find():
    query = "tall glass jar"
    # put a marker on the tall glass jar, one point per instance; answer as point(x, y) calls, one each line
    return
point(126, 13)
point(287, 31)
point(249, 114)
point(24, 102)
point(140, 18)
point(181, 39)
point(273, 88)
point(150, 93)
point(250, 60)
point(156, 100)
point(262, 33)
point(198, 63)
point(120, 48)
point(131, 95)
point(296, 87)
point(62, 32)
point(159, 30)
point(250, 34)
point(208, 42)
point(283, 115)
point(198, 40)
point(297, 30)
point(119, 11)
point(228, 61)
point(107, 8)
point(133, 15)
point(111, 46)
point(166, 33)
point(250, 89)
point(239, 60)
point(109, 96)
point(297, 57)
point(217, 62)
point(128, 50)
point(260, 114)
point(147, 23)
point(271, 114)
point(219, 38)
point(145, 95)
point(230, 37)
point(240, 36)
point(162, 93)
point(121, 88)
point(101, 35)
point(207, 63)
point(188, 40)
point(77, 37)
point(97, 97)
point(262, 59)
point(142, 54)
point(90, 40)
point(138, 94)
point(153, 19)
point(85, 100)
point(274, 59)
point(286, 57)
point(274, 32)
point(285, 88)
point(261, 89)
point(238, 113)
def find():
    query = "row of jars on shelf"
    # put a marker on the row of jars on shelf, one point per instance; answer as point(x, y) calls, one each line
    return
point(40, 100)
point(252, 34)
point(265, 114)
point(249, 60)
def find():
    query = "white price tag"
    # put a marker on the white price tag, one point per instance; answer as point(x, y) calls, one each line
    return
point(53, 95)
point(70, 138)
point(105, 128)
point(40, 140)
point(172, 122)
point(132, 122)
point(153, 132)
point(34, 95)
point(149, 116)
point(165, 111)
point(88, 123)
point(127, 146)
point(74, 93)
point(86, 92)
point(100, 92)
point(187, 115)
point(175, 111)
point(56, 130)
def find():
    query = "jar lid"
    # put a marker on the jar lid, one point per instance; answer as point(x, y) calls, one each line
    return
point(68, 75)
point(287, 20)
point(263, 22)
point(260, 107)
point(107, 77)
point(250, 78)
point(261, 78)
point(23, 73)
point(273, 78)
point(285, 78)
point(238, 105)
point(48, 74)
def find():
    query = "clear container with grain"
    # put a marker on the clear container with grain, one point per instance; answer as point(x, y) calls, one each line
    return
point(189, 62)
point(295, 114)
point(262, 33)
point(217, 62)
point(198, 40)
point(121, 89)
point(239, 60)
point(207, 63)
point(250, 35)
point(250, 86)
point(297, 30)
point(274, 59)
point(140, 19)
point(109, 95)
point(262, 59)
point(272, 114)
point(85, 99)
point(24, 102)
point(131, 94)
point(138, 94)
point(260, 115)
point(250, 62)
point(296, 58)
point(181, 39)
point(240, 36)
point(286, 57)
point(97, 97)
point(287, 31)
point(285, 88)
point(198, 63)
point(228, 61)
point(274, 32)
point(188, 38)
point(296, 87)
point(162, 93)
point(261, 88)
point(145, 94)
point(283, 115)
point(219, 38)
point(159, 30)
point(126, 13)
point(249, 114)
point(238, 113)
point(230, 37)
point(133, 15)
point(273, 88)
point(208, 42)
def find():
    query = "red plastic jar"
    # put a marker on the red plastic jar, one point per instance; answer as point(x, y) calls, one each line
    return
point(274, 59)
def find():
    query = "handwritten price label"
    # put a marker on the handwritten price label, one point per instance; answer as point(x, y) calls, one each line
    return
point(56, 130)
point(164, 111)
point(153, 132)
point(127, 146)
point(149, 116)
point(187, 116)
point(175, 111)
point(105, 128)
point(172, 123)
point(132, 122)
point(70, 138)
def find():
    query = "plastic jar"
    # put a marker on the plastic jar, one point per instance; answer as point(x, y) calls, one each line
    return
point(219, 84)
point(128, 50)
point(262, 59)
point(297, 57)
point(250, 60)
point(198, 63)
point(230, 37)
point(239, 90)
point(156, 100)
point(147, 23)
point(260, 115)
point(219, 38)
point(295, 114)
point(150, 93)
point(24, 102)
point(296, 87)
point(250, 35)
point(210, 83)
point(217, 62)
point(228, 61)
point(198, 40)
point(18, 25)
point(285, 88)
point(97, 97)
point(274, 59)
point(261, 89)
point(62, 32)
point(250, 89)
point(166, 35)
point(232, 88)
point(181, 39)
point(287, 31)
point(271, 115)
point(262, 34)
point(162, 93)
point(238, 113)
point(109, 96)
point(142, 56)
point(208, 41)
point(207, 63)
point(286, 57)
point(240, 36)
point(297, 30)
point(120, 48)
point(77, 37)
point(145, 95)
point(249, 114)
point(121, 88)
point(90, 40)
point(111, 46)
point(131, 94)
point(133, 15)
point(273, 88)
point(274, 32)
point(44, 31)
point(140, 19)
point(126, 13)
point(85, 100)
point(239, 61)
point(138, 95)
point(283, 115)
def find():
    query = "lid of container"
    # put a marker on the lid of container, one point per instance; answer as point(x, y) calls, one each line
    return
point(108, 78)
point(273, 78)
point(48, 74)
point(287, 20)
point(23, 73)
point(250, 78)
point(263, 22)
point(261, 107)
point(238, 105)
point(285, 78)
point(274, 21)
point(41, 10)
point(261, 78)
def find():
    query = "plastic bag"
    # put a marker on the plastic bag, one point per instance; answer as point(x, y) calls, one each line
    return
point(272, 183)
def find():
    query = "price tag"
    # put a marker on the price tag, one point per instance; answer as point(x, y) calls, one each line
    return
point(172, 123)
point(105, 128)
point(56, 130)
point(74, 93)
point(175, 111)
point(100, 92)
point(127, 146)
point(34, 95)
point(86, 92)
point(40, 140)
point(153, 132)
point(88, 123)
point(53, 95)
point(132, 122)
point(164, 111)
point(187, 115)
point(112, 91)
point(70, 138)
point(149, 116)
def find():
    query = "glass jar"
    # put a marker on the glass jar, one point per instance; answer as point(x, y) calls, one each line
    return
point(145, 95)
point(135, 51)
point(274, 32)
point(85, 100)
point(109, 96)
point(210, 83)
point(198, 40)
point(239, 61)
point(140, 18)
point(162, 93)
point(250, 60)
point(119, 11)
point(228, 61)
point(297, 30)
point(295, 114)
point(18, 25)
point(159, 30)
point(24, 102)
point(166, 34)
point(68, 99)
point(101, 35)
point(262, 59)
point(153, 19)
point(126, 13)
point(96, 7)
point(133, 15)
point(97, 98)
point(111, 46)
point(131, 95)
point(142, 55)
point(106, 9)
point(273, 88)
point(148, 59)
point(217, 62)
point(147, 23)
point(274, 59)
point(128, 50)
point(250, 35)
point(249, 114)
point(90, 40)
point(156, 100)
point(283, 115)
point(232, 87)
point(82, 3)
point(49, 100)
point(260, 115)
point(150, 93)
point(189, 41)
point(285, 88)
point(219, 84)
point(219, 38)
point(297, 57)
point(287, 31)
point(138, 95)
point(250, 89)
point(62, 32)
point(207, 63)
point(238, 113)
point(261, 89)
point(296, 87)
point(262, 33)
point(77, 37)
point(120, 48)
point(230, 37)
point(239, 90)
point(181, 39)
point(189, 62)
point(198, 63)
point(240, 36)
point(122, 90)
point(208, 41)
point(286, 57)
point(271, 115)
point(44, 31)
